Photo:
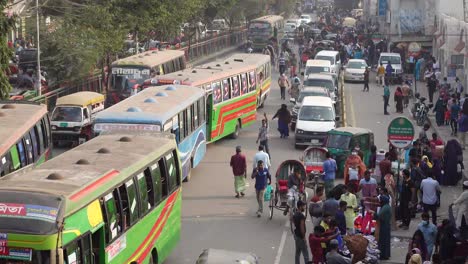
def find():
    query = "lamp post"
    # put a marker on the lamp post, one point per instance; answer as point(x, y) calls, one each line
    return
point(39, 83)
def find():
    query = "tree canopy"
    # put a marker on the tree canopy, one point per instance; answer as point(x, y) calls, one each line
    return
point(7, 22)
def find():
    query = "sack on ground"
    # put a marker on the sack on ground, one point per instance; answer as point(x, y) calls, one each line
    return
point(357, 245)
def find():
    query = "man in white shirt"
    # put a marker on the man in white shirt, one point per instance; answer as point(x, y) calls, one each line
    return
point(261, 155)
point(430, 189)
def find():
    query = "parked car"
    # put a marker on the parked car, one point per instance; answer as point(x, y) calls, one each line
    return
point(305, 19)
point(354, 70)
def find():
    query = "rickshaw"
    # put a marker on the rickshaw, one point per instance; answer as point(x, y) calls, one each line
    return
point(341, 141)
point(279, 198)
point(313, 159)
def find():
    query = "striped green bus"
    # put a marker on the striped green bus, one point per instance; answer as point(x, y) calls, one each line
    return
point(114, 199)
point(234, 88)
point(25, 136)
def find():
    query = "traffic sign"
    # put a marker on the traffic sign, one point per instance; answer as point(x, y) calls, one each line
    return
point(400, 132)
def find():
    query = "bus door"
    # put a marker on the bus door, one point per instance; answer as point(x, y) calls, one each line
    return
point(209, 115)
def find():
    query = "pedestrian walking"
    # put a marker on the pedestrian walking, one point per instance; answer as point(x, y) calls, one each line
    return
point(263, 135)
point(366, 80)
point(386, 98)
point(295, 87)
point(381, 74)
point(398, 97)
point(384, 216)
point(431, 87)
point(329, 170)
point(330, 205)
point(417, 245)
point(407, 199)
point(239, 169)
point(299, 233)
point(430, 190)
point(385, 167)
point(429, 231)
point(463, 129)
point(283, 83)
point(340, 217)
point(453, 161)
point(262, 179)
point(316, 207)
point(284, 118)
point(462, 205)
point(406, 90)
point(454, 112)
point(440, 109)
point(368, 187)
point(293, 64)
point(261, 156)
point(282, 63)
point(458, 87)
point(388, 73)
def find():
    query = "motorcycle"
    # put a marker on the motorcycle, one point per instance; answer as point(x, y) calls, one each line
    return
point(249, 47)
point(422, 111)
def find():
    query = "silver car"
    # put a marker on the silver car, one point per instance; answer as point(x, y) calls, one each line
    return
point(354, 70)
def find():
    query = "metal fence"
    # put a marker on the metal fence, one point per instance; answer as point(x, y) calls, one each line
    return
point(192, 53)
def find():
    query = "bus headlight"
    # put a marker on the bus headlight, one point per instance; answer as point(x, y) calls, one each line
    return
point(53, 127)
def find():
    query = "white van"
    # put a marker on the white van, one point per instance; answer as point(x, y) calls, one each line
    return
point(317, 66)
point(327, 80)
point(290, 29)
point(394, 59)
point(316, 117)
point(333, 57)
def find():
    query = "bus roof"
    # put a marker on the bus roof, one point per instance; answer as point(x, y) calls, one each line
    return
point(152, 105)
point(150, 58)
point(16, 118)
point(80, 99)
point(85, 173)
point(217, 70)
point(269, 19)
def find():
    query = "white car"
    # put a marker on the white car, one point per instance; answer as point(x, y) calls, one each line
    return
point(305, 19)
point(354, 70)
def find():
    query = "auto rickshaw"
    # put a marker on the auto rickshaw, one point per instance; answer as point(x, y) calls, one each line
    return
point(341, 141)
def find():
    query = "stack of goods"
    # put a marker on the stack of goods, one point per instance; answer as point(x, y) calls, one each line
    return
point(373, 253)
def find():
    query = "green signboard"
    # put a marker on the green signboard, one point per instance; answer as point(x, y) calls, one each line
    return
point(400, 132)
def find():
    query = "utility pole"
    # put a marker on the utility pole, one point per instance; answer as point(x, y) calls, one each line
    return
point(39, 84)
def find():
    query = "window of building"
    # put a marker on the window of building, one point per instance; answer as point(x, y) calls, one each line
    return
point(458, 59)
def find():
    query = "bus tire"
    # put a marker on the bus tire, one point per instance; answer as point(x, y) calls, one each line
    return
point(189, 174)
point(236, 133)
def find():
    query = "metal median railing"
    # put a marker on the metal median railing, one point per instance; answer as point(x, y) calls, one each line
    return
point(193, 53)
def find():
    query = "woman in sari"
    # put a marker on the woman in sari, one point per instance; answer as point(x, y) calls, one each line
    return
point(284, 118)
point(398, 97)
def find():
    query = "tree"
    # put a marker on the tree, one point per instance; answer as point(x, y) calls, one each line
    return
point(7, 22)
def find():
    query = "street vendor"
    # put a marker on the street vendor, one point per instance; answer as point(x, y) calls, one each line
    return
point(354, 170)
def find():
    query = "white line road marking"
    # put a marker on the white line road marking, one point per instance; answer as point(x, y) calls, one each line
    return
point(282, 242)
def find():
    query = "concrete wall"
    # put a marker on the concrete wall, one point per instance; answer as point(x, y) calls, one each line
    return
point(453, 8)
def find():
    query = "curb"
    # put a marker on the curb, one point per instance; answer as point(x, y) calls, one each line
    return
point(343, 102)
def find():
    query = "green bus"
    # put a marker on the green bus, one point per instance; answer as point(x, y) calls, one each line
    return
point(234, 88)
point(262, 29)
point(114, 199)
point(25, 136)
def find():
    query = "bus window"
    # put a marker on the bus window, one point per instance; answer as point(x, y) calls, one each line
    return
point(201, 105)
point(244, 86)
point(164, 177)
point(34, 139)
point(86, 248)
point(235, 83)
point(113, 227)
point(252, 81)
point(72, 253)
point(195, 119)
point(40, 138)
point(132, 201)
point(149, 188)
point(5, 164)
point(174, 178)
point(16, 164)
point(235, 91)
point(182, 63)
point(217, 97)
point(143, 194)
point(181, 126)
point(156, 174)
point(177, 65)
point(188, 114)
point(21, 152)
point(29, 148)
point(47, 129)
point(226, 92)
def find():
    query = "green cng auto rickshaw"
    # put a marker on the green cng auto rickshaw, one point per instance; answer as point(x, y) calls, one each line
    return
point(341, 141)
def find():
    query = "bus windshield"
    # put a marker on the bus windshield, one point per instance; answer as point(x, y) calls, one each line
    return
point(25, 213)
point(316, 113)
point(260, 27)
point(124, 78)
point(338, 141)
point(320, 83)
point(67, 114)
point(392, 59)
